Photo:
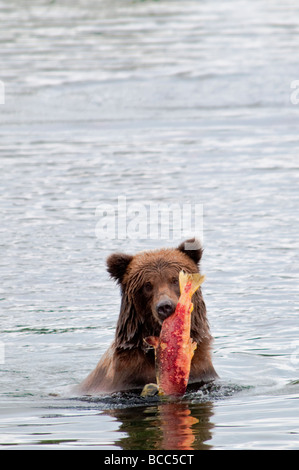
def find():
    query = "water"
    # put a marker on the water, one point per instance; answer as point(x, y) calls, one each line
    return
point(161, 102)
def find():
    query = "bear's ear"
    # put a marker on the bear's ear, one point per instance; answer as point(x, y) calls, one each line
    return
point(192, 248)
point(117, 265)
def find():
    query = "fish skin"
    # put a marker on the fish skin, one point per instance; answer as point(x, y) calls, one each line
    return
point(174, 348)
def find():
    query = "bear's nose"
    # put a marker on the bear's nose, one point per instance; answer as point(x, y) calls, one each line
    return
point(165, 308)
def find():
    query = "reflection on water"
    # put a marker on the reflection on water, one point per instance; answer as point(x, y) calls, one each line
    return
point(156, 423)
point(167, 426)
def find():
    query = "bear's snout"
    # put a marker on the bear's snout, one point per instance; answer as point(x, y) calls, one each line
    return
point(165, 308)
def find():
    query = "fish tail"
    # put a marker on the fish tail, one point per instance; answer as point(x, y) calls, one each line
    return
point(195, 279)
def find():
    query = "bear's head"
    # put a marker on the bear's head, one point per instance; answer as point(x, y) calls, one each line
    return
point(150, 291)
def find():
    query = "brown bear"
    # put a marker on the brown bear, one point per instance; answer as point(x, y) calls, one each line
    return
point(149, 294)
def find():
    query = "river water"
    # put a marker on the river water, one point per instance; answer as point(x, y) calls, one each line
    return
point(159, 102)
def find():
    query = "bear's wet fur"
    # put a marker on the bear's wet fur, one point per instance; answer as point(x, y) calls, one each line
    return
point(149, 293)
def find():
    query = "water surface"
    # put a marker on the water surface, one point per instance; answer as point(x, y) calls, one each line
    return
point(162, 102)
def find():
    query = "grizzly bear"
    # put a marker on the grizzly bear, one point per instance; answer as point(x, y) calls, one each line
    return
point(149, 294)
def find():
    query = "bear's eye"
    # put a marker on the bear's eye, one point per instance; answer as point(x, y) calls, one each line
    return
point(175, 281)
point(148, 287)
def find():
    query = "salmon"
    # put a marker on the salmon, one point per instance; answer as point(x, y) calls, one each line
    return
point(174, 348)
